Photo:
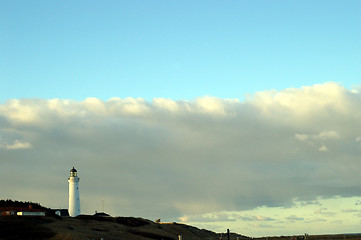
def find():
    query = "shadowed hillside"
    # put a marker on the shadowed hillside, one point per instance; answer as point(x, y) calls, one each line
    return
point(91, 227)
point(86, 227)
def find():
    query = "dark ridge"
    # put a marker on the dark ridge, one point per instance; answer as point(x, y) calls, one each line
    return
point(132, 222)
point(96, 218)
point(151, 235)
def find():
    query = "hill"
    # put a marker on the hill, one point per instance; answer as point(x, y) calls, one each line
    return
point(86, 227)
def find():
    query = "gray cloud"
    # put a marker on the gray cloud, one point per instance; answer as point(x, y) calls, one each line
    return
point(256, 218)
point(169, 158)
point(294, 218)
point(350, 210)
point(324, 212)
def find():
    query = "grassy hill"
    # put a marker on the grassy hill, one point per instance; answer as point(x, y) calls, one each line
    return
point(91, 227)
point(86, 227)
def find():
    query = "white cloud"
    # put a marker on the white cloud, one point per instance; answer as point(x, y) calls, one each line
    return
point(324, 135)
point(15, 145)
point(323, 149)
point(263, 218)
point(301, 137)
point(21, 111)
point(95, 105)
point(328, 135)
point(209, 217)
point(166, 104)
point(188, 157)
point(318, 139)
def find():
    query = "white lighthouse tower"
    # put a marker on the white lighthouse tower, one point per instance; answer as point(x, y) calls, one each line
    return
point(74, 203)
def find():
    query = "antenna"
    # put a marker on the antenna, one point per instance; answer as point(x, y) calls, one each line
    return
point(103, 205)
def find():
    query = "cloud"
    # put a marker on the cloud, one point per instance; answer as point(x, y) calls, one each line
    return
point(323, 149)
point(351, 210)
point(309, 202)
point(209, 217)
point(324, 212)
point(294, 218)
point(328, 135)
point(186, 158)
point(16, 145)
point(262, 225)
point(301, 137)
point(314, 220)
point(318, 139)
point(263, 218)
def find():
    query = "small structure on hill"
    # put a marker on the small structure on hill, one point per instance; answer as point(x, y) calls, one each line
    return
point(101, 214)
point(61, 212)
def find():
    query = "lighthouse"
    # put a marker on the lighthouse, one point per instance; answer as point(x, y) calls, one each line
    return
point(74, 203)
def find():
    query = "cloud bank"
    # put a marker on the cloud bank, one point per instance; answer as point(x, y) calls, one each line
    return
point(170, 158)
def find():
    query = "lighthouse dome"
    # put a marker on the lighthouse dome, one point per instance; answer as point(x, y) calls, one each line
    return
point(73, 172)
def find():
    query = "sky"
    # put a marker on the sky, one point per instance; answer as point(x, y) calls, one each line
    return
point(220, 114)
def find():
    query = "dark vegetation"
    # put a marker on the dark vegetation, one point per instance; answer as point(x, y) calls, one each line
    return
point(12, 203)
point(132, 222)
point(96, 218)
point(16, 228)
point(126, 221)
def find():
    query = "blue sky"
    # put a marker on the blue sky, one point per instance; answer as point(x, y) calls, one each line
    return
point(175, 49)
point(240, 114)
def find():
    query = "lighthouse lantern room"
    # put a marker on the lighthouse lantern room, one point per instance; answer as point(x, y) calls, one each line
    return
point(74, 202)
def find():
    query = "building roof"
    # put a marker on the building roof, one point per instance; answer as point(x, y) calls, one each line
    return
point(73, 170)
point(101, 214)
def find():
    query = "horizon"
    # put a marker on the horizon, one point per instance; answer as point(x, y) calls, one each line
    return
point(156, 221)
point(239, 114)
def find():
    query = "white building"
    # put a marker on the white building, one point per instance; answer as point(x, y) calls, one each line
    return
point(74, 202)
point(31, 212)
point(22, 211)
